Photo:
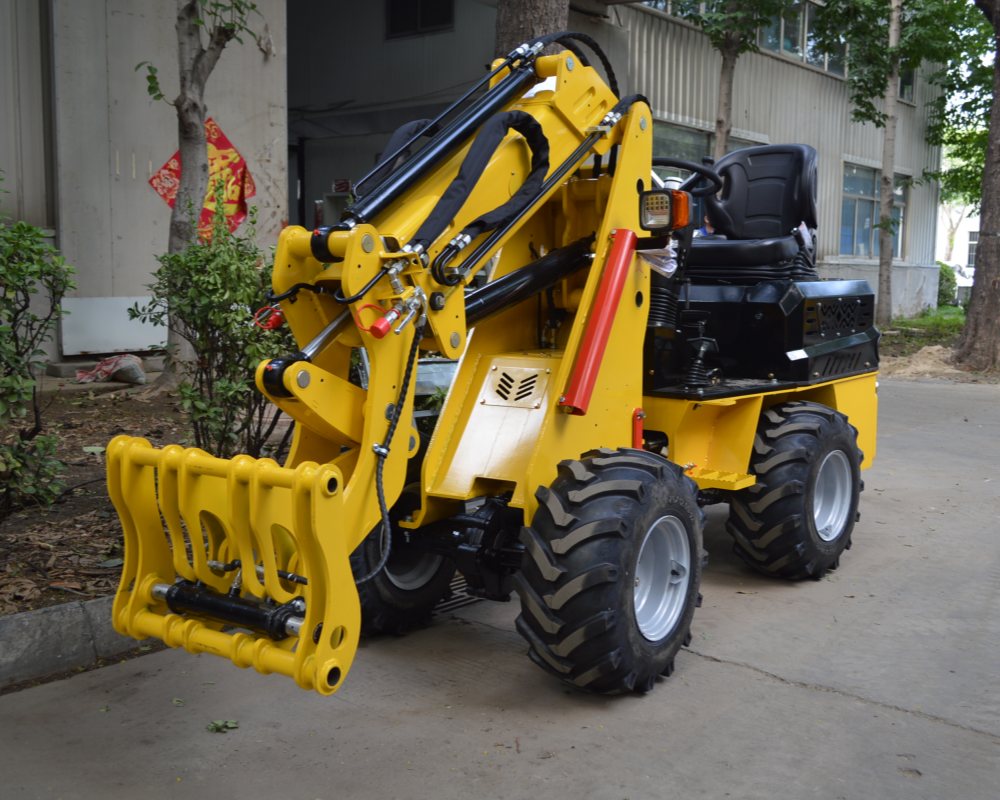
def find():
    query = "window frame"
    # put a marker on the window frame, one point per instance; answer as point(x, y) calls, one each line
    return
point(900, 203)
point(804, 11)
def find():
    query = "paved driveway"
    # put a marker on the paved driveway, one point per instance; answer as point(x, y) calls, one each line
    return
point(879, 682)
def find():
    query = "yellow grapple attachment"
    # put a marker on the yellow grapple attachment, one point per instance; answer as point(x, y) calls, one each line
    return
point(189, 515)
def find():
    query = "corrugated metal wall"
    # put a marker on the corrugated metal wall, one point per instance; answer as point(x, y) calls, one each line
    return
point(777, 100)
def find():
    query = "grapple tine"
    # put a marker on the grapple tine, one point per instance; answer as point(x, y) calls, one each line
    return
point(189, 518)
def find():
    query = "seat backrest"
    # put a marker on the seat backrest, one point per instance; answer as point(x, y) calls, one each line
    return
point(767, 191)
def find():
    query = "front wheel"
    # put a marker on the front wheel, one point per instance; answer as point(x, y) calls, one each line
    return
point(797, 520)
point(611, 570)
point(403, 593)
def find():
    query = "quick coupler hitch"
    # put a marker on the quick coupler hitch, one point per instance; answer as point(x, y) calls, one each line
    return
point(278, 622)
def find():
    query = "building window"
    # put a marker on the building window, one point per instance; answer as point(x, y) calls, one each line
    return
point(906, 85)
point(859, 213)
point(673, 141)
point(688, 144)
point(973, 244)
point(412, 17)
point(793, 34)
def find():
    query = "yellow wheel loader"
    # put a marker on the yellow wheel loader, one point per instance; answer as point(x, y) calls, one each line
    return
point(613, 374)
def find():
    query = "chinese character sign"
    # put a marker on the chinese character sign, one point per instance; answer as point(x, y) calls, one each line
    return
point(225, 163)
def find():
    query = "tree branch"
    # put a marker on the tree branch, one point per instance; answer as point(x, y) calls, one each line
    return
point(209, 57)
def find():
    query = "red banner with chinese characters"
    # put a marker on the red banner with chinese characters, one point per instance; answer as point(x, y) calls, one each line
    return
point(225, 163)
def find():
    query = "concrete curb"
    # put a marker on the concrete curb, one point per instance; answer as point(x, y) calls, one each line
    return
point(37, 644)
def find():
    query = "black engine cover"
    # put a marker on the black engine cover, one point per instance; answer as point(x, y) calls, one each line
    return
point(798, 331)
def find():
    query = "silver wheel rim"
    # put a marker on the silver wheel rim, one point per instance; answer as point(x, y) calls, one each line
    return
point(410, 573)
point(662, 575)
point(832, 495)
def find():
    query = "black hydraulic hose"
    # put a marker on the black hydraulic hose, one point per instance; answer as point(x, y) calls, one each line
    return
point(520, 61)
point(382, 451)
point(521, 64)
point(294, 290)
point(339, 297)
point(441, 146)
point(435, 124)
point(574, 158)
point(474, 164)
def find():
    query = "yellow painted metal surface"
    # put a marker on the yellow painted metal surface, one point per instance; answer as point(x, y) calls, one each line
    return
point(509, 449)
point(219, 510)
point(713, 439)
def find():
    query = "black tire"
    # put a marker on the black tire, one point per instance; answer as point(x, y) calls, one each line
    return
point(797, 520)
point(582, 611)
point(403, 594)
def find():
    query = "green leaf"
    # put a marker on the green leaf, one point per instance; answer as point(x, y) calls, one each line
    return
point(222, 725)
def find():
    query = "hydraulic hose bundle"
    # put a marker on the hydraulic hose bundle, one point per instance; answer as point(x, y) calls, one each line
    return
point(490, 136)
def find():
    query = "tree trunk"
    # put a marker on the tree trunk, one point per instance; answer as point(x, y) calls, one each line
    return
point(724, 108)
point(521, 20)
point(883, 308)
point(980, 344)
point(195, 63)
point(953, 223)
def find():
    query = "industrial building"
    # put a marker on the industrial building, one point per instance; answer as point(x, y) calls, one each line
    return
point(312, 103)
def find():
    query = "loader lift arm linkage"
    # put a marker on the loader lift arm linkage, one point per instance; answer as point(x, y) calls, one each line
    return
point(595, 404)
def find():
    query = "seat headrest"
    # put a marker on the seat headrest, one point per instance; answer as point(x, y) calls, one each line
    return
point(767, 191)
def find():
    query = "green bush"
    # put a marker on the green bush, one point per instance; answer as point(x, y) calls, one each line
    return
point(947, 285)
point(937, 323)
point(33, 279)
point(209, 293)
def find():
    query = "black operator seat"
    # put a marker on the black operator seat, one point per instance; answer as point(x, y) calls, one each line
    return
point(767, 192)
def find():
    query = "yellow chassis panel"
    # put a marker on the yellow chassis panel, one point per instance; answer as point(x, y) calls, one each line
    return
point(713, 439)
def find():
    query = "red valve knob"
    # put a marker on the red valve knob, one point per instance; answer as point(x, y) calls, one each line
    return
point(269, 318)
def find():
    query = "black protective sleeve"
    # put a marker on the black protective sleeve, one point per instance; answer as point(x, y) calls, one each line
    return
point(491, 134)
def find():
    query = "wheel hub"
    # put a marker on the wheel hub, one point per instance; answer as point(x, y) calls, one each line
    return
point(662, 576)
point(410, 569)
point(832, 495)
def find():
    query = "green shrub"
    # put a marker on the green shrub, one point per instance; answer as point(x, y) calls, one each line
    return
point(33, 279)
point(209, 293)
point(947, 285)
point(937, 323)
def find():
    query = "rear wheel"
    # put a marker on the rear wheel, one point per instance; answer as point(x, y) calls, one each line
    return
point(797, 520)
point(611, 571)
point(403, 593)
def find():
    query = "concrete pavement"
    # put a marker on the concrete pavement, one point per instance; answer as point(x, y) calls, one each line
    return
point(881, 681)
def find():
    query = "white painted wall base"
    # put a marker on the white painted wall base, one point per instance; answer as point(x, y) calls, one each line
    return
point(914, 286)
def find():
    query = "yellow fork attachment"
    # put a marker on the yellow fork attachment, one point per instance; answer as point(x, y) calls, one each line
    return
point(239, 558)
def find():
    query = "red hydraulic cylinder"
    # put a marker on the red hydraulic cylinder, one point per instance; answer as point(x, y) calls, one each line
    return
point(576, 399)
